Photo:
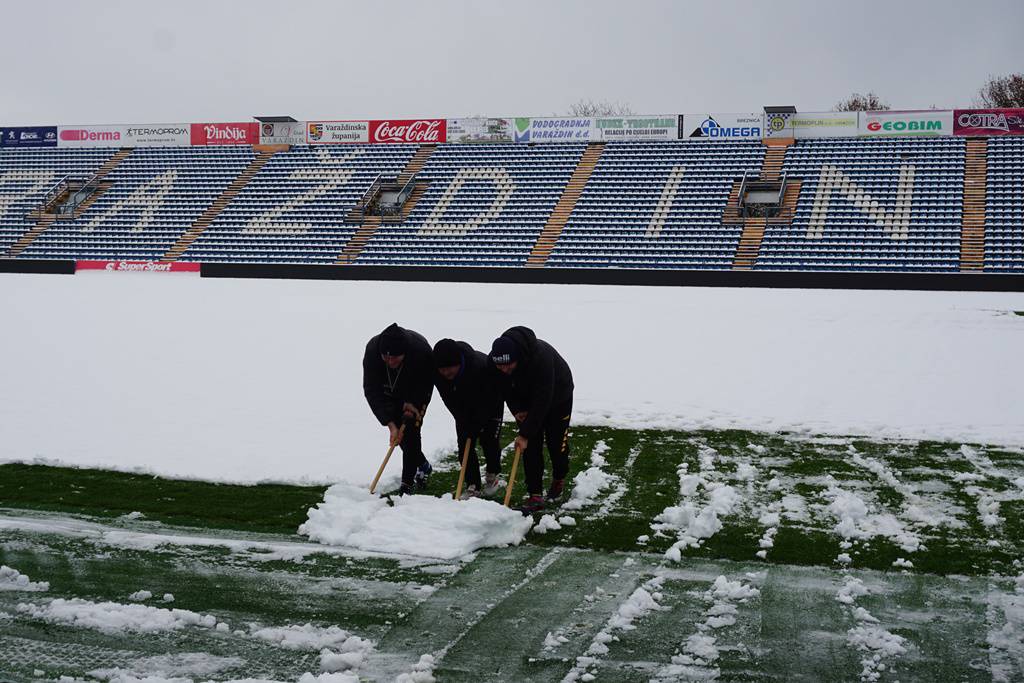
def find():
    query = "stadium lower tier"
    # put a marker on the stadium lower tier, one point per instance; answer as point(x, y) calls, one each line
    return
point(940, 204)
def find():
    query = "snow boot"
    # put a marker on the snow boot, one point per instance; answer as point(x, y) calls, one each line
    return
point(492, 484)
point(532, 504)
point(471, 492)
point(422, 475)
point(556, 490)
point(405, 489)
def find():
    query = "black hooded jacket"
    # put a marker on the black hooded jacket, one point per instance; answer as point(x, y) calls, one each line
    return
point(387, 390)
point(541, 380)
point(474, 396)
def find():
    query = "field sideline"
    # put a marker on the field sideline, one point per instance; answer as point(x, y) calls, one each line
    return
point(898, 560)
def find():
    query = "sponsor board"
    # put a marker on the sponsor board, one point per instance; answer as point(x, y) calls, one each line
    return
point(724, 126)
point(554, 129)
point(424, 131)
point(479, 130)
point(637, 128)
point(29, 136)
point(778, 125)
point(988, 122)
point(337, 132)
point(892, 123)
point(137, 266)
point(283, 133)
point(829, 124)
point(152, 135)
point(225, 133)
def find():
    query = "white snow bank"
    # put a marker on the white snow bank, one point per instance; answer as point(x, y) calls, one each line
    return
point(13, 580)
point(248, 380)
point(310, 637)
point(423, 526)
point(113, 617)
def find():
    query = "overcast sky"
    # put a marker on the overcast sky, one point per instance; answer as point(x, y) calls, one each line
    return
point(181, 60)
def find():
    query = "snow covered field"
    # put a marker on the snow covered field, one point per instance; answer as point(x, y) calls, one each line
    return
point(249, 380)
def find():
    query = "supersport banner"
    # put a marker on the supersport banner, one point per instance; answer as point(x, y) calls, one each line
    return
point(138, 266)
point(146, 135)
point(988, 122)
point(225, 133)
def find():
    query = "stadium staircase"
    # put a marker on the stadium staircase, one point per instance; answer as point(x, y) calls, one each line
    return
point(218, 205)
point(972, 238)
point(754, 227)
point(563, 209)
point(370, 224)
point(46, 215)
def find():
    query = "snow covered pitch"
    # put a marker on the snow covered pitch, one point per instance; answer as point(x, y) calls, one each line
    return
point(249, 380)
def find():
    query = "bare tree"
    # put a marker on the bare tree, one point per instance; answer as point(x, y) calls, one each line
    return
point(587, 107)
point(1002, 92)
point(857, 102)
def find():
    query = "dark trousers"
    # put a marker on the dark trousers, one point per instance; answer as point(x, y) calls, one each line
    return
point(488, 439)
point(412, 449)
point(555, 431)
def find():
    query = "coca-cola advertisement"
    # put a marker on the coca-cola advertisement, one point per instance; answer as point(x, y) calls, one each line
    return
point(988, 122)
point(225, 133)
point(138, 266)
point(422, 131)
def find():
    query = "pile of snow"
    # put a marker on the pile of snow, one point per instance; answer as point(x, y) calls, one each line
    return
point(279, 365)
point(423, 526)
point(591, 481)
point(312, 638)
point(856, 519)
point(641, 602)
point(13, 580)
point(113, 617)
point(876, 644)
point(422, 671)
point(697, 517)
point(700, 652)
point(551, 523)
point(173, 666)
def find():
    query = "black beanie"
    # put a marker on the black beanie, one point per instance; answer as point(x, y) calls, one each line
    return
point(447, 353)
point(504, 351)
point(392, 341)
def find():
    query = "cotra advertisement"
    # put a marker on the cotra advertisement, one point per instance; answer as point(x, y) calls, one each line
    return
point(988, 122)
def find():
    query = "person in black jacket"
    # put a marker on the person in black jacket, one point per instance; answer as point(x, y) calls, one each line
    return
point(537, 386)
point(468, 388)
point(398, 381)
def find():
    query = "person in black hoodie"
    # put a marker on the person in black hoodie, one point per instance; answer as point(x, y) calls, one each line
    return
point(468, 388)
point(398, 381)
point(536, 383)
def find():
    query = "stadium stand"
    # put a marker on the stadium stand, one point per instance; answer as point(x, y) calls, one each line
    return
point(155, 195)
point(1004, 207)
point(658, 205)
point(885, 204)
point(900, 204)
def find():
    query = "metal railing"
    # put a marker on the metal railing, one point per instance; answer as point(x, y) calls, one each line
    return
point(367, 198)
point(78, 196)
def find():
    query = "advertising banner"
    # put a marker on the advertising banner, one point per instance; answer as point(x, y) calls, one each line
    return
point(637, 128)
point(337, 132)
point(723, 126)
point(29, 136)
point(988, 122)
point(154, 135)
point(137, 266)
point(778, 125)
point(424, 131)
point(828, 124)
point(555, 129)
point(479, 130)
point(921, 122)
point(283, 133)
point(225, 133)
